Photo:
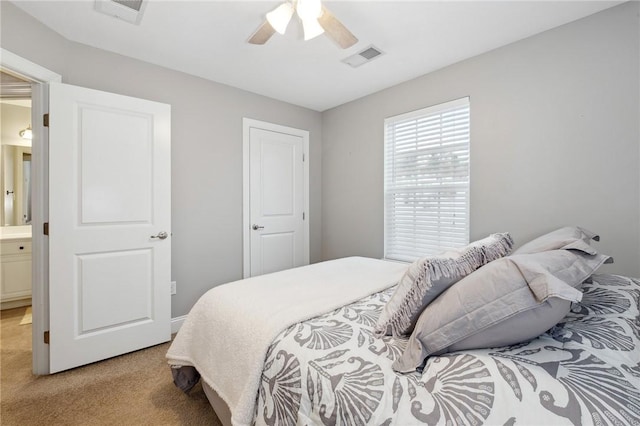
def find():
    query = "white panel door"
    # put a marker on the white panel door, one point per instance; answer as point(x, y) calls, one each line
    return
point(276, 201)
point(109, 223)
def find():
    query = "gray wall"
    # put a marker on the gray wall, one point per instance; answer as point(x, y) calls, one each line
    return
point(554, 141)
point(206, 147)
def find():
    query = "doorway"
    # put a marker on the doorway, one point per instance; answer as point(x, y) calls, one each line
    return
point(37, 77)
point(49, 308)
point(15, 210)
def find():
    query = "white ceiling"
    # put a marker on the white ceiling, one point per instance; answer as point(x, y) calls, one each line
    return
point(208, 39)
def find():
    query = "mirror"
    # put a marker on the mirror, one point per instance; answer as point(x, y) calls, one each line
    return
point(16, 168)
point(15, 155)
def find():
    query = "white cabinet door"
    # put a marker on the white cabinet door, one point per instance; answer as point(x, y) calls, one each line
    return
point(110, 196)
point(277, 199)
point(15, 269)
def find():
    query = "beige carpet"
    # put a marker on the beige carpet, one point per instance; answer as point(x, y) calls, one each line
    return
point(132, 389)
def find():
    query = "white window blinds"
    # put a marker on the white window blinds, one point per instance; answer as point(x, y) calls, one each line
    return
point(426, 191)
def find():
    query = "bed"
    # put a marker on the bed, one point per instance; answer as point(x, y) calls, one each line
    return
point(586, 370)
point(300, 348)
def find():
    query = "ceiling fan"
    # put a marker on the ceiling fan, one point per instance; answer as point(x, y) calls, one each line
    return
point(316, 19)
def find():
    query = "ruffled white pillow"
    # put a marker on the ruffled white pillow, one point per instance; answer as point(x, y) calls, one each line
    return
point(429, 276)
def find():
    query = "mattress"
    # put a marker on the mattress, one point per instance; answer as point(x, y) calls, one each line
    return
point(229, 330)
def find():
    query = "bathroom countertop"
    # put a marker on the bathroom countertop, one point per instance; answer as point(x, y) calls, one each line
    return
point(14, 232)
point(15, 236)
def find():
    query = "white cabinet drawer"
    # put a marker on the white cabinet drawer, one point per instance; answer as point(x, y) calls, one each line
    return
point(15, 247)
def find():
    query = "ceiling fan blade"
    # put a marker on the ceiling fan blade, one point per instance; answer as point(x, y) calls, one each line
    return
point(335, 30)
point(262, 34)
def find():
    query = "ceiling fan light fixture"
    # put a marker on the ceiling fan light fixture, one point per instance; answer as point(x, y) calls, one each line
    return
point(312, 28)
point(26, 133)
point(316, 19)
point(308, 9)
point(279, 17)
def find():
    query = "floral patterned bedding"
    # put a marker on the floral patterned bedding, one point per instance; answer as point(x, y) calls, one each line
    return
point(586, 370)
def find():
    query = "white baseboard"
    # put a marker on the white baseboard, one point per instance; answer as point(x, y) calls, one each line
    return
point(176, 323)
point(15, 304)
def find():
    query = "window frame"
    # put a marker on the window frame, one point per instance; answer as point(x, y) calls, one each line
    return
point(457, 106)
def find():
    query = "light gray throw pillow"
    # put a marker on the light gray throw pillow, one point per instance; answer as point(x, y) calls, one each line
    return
point(508, 301)
point(429, 276)
point(569, 237)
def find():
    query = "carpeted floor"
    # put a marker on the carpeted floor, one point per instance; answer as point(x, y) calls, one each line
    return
point(27, 317)
point(132, 389)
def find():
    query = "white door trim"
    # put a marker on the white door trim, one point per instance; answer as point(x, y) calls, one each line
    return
point(247, 124)
point(27, 69)
point(40, 258)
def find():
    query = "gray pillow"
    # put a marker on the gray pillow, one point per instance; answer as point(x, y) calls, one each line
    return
point(569, 237)
point(508, 301)
point(427, 277)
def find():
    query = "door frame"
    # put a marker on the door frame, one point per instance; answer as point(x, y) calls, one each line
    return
point(40, 76)
point(247, 125)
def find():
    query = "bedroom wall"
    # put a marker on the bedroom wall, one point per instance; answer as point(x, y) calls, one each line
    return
point(555, 140)
point(206, 147)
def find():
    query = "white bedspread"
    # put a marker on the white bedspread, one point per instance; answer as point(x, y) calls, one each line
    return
point(227, 333)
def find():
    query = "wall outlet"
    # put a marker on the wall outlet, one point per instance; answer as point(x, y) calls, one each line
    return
point(173, 287)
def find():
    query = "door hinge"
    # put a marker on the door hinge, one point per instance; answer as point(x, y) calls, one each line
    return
point(303, 158)
point(303, 215)
point(45, 228)
point(46, 337)
point(45, 120)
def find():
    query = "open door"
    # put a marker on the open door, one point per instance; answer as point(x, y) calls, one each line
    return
point(109, 225)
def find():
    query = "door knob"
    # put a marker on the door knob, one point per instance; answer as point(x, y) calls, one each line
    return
point(256, 227)
point(162, 235)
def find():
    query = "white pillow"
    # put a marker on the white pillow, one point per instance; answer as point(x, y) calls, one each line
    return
point(508, 301)
point(569, 237)
point(427, 277)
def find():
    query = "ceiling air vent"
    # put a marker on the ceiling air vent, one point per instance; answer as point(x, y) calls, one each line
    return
point(367, 55)
point(127, 10)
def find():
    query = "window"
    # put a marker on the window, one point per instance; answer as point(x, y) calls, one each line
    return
point(426, 181)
